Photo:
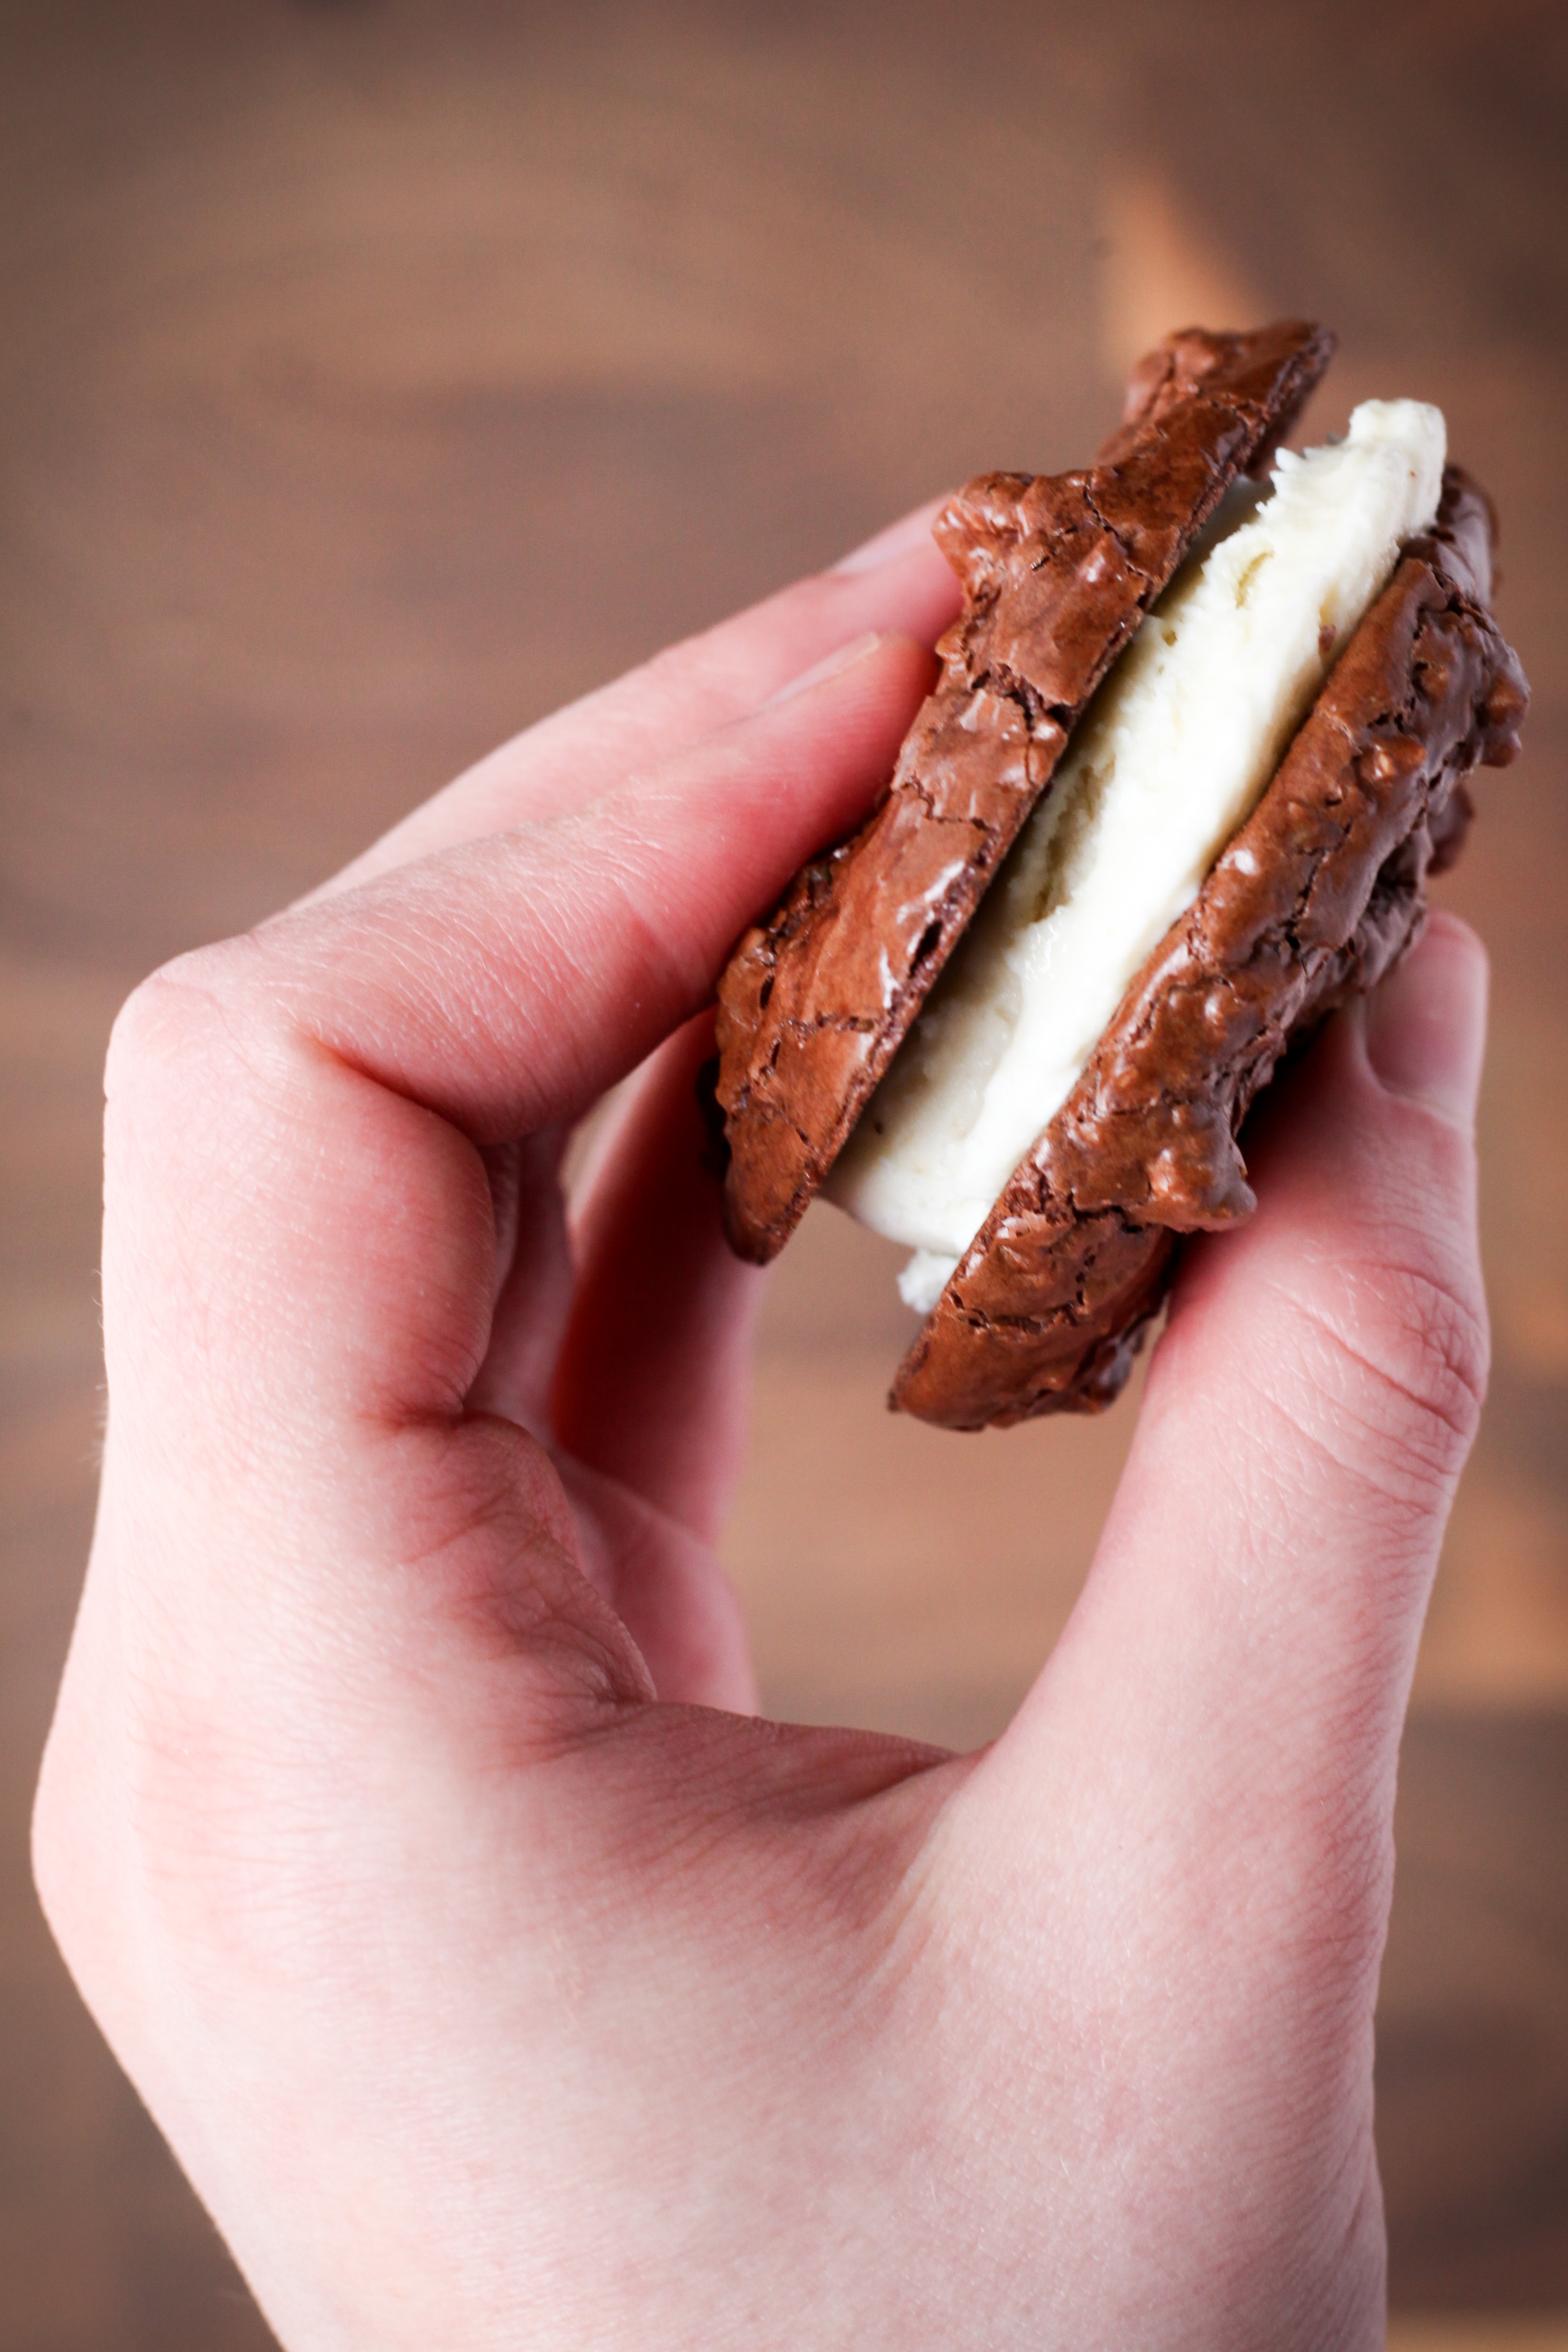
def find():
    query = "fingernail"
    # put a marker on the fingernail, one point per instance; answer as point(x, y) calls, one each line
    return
point(829, 666)
point(1426, 1023)
point(911, 531)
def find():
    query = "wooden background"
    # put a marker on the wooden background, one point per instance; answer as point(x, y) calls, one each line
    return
point(377, 375)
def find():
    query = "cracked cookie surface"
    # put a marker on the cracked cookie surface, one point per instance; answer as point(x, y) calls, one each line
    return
point(1058, 572)
point(1314, 899)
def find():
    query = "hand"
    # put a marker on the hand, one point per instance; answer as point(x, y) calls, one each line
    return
point(498, 1977)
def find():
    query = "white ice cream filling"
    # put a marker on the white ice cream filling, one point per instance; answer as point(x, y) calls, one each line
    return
point(1168, 761)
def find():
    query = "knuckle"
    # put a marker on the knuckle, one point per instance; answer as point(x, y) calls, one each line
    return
point(1434, 1349)
point(167, 1016)
point(71, 1819)
point(1407, 1360)
point(185, 1047)
point(54, 1851)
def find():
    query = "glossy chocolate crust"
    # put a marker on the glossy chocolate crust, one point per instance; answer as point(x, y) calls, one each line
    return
point(1058, 570)
point(1317, 895)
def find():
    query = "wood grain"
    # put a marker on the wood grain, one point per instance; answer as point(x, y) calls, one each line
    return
point(377, 375)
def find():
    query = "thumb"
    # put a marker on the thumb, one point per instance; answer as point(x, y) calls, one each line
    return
point(1233, 1682)
point(1313, 1401)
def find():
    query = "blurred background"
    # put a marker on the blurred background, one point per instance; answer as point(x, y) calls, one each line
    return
point(376, 376)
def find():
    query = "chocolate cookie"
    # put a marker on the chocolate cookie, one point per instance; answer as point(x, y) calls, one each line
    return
point(1316, 896)
point(1058, 572)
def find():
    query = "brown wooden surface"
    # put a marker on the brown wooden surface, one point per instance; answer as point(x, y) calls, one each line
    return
point(374, 377)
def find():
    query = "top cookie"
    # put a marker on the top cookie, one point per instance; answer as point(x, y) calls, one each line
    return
point(1058, 572)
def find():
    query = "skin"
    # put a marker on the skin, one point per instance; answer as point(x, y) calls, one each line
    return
point(498, 1977)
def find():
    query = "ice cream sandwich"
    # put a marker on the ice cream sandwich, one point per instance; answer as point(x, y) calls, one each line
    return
point(1200, 735)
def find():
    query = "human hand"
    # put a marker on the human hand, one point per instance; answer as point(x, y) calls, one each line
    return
point(498, 1978)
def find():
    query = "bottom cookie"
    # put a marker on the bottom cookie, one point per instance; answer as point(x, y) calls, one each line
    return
point(1315, 898)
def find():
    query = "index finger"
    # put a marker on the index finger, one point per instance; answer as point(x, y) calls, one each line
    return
point(299, 1233)
point(294, 1118)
